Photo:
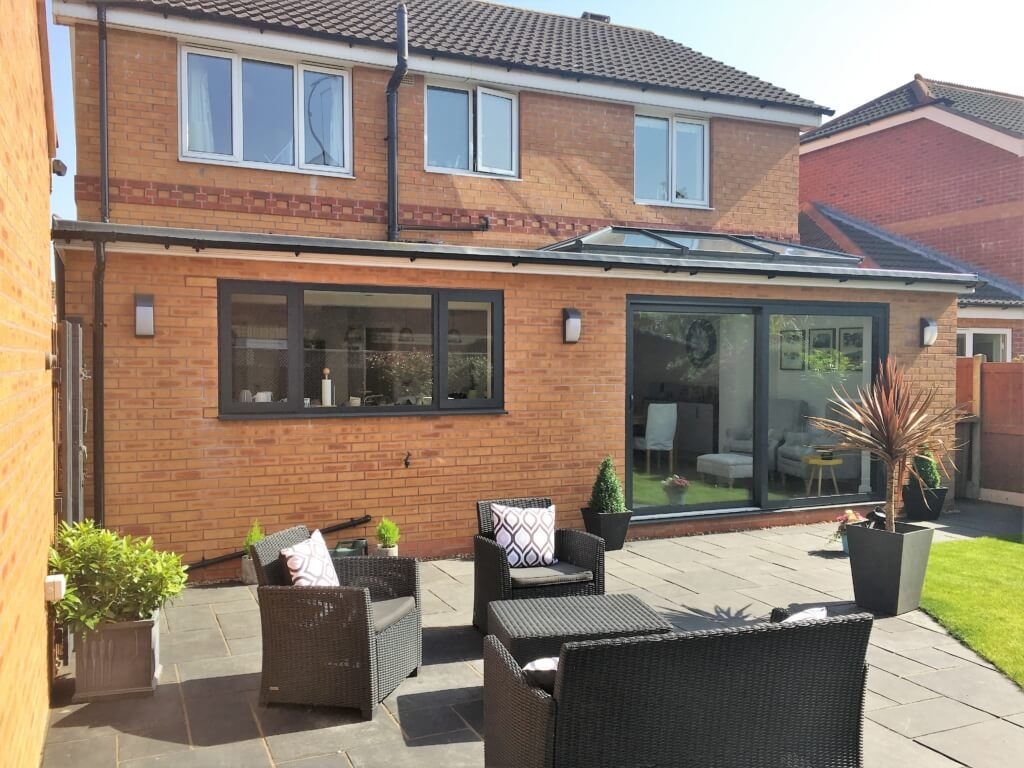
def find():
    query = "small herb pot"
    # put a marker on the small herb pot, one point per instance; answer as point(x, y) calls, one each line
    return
point(383, 551)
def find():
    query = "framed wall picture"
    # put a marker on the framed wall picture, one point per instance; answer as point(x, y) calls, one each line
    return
point(791, 350)
point(822, 340)
point(851, 346)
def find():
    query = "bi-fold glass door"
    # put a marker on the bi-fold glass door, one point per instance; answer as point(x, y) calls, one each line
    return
point(719, 397)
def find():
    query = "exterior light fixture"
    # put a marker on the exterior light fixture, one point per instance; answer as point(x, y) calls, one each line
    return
point(144, 325)
point(929, 332)
point(572, 322)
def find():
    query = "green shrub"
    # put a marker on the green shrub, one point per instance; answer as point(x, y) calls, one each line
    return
point(606, 495)
point(110, 577)
point(255, 534)
point(387, 533)
point(927, 469)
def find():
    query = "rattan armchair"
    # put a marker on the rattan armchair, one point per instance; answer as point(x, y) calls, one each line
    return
point(347, 646)
point(580, 568)
point(766, 695)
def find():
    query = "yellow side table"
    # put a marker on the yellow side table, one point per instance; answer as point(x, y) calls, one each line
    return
point(818, 464)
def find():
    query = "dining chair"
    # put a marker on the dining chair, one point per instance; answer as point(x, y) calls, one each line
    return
point(659, 432)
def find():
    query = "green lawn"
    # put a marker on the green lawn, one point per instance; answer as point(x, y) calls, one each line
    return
point(647, 490)
point(975, 589)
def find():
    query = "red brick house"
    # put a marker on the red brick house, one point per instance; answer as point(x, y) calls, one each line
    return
point(939, 166)
point(295, 330)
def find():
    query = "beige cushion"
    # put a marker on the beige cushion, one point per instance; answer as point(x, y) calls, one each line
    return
point(559, 573)
point(388, 612)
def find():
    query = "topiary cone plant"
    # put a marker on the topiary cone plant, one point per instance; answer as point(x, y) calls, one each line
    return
point(606, 515)
point(896, 423)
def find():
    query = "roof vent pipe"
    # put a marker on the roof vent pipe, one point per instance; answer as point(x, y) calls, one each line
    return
point(591, 16)
point(402, 48)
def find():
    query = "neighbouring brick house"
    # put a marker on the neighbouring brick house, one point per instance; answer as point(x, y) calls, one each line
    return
point(541, 174)
point(939, 166)
point(28, 139)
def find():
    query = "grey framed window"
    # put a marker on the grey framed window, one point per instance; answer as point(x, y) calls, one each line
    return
point(310, 350)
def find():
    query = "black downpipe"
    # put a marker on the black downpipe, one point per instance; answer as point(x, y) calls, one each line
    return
point(394, 83)
point(99, 274)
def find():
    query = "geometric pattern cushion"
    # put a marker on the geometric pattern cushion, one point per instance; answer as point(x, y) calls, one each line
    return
point(526, 535)
point(309, 563)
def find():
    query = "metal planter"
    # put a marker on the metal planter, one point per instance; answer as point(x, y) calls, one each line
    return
point(117, 659)
point(923, 503)
point(888, 568)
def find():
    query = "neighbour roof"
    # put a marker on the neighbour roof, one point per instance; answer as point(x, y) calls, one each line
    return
point(1001, 111)
point(503, 35)
point(673, 259)
point(891, 251)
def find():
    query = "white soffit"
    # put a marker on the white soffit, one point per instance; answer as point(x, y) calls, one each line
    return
point(982, 312)
point(218, 33)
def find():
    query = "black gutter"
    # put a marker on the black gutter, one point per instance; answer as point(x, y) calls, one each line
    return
point(394, 83)
point(200, 239)
point(98, 281)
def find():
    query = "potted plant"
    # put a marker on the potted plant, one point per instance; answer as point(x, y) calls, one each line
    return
point(248, 568)
point(116, 586)
point(387, 538)
point(895, 422)
point(923, 495)
point(849, 517)
point(606, 515)
point(675, 488)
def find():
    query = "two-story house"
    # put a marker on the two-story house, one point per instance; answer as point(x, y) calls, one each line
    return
point(937, 170)
point(584, 244)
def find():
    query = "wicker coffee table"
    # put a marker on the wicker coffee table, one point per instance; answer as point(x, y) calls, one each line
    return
point(537, 628)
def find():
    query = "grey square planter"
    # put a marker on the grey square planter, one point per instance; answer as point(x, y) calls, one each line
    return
point(117, 659)
point(888, 568)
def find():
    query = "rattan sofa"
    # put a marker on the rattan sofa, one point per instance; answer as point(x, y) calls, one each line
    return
point(580, 568)
point(766, 695)
point(347, 646)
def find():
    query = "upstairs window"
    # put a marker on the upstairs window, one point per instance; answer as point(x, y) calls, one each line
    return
point(265, 114)
point(671, 161)
point(472, 130)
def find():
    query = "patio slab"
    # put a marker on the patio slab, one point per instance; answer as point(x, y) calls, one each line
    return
point(931, 702)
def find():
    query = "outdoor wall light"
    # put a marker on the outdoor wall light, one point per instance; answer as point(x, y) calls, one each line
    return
point(572, 322)
point(929, 332)
point(144, 325)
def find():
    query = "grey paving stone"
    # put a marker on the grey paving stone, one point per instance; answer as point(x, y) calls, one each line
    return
point(930, 716)
point(189, 617)
point(935, 658)
point(293, 732)
point(461, 749)
point(786, 594)
point(1018, 719)
point(873, 701)
point(240, 624)
point(94, 752)
point(248, 604)
point(711, 580)
point(159, 737)
point(179, 647)
point(982, 688)
point(896, 688)
point(67, 725)
point(213, 594)
point(428, 721)
point(894, 624)
point(473, 713)
point(966, 654)
point(449, 644)
point(719, 606)
point(438, 685)
point(333, 760)
point(240, 646)
point(224, 718)
point(886, 749)
point(992, 744)
point(251, 754)
point(232, 673)
point(911, 640)
point(894, 663)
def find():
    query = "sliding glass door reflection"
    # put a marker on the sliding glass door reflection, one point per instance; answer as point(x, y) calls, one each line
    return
point(691, 412)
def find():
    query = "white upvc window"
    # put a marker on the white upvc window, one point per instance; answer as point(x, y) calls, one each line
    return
point(671, 160)
point(471, 130)
point(255, 112)
point(994, 343)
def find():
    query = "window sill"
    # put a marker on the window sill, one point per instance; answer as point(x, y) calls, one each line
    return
point(474, 174)
point(266, 167)
point(362, 415)
point(665, 204)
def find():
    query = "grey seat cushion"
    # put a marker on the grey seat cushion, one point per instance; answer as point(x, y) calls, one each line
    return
point(387, 612)
point(543, 575)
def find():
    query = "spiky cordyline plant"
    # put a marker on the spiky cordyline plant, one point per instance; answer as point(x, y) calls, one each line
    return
point(895, 422)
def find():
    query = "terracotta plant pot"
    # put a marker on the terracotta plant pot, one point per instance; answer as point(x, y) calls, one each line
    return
point(610, 526)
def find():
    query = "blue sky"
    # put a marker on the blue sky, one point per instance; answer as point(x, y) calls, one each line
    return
point(840, 54)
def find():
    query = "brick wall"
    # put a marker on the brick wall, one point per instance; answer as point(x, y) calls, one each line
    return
point(26, 447)
point(930, 183)
point(576, 159)
point(174, 470)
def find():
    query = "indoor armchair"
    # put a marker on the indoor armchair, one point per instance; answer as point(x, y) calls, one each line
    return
point(579, 570)
point(347, 646)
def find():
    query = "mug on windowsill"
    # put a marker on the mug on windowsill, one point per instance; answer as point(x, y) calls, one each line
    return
point(355, 401)
point(264, 397)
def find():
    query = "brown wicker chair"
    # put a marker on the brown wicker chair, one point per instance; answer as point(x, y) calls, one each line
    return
point(580, 569)
point(347, 646)
point(766, 695)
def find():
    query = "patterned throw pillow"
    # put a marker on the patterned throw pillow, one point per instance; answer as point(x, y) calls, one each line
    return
point(309, 563)
point(526, 535)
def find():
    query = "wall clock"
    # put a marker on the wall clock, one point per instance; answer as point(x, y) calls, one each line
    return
point(701, 342)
